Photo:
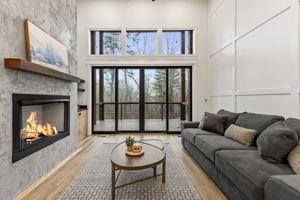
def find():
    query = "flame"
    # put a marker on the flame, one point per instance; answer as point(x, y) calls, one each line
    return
point(34, 130)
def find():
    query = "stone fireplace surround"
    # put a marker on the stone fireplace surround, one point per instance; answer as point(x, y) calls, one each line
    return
point(59, 19)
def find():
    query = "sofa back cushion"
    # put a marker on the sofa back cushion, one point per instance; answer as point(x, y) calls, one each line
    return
point(257, 122)
point(276, 142)
point(294, 124)
point(214, 123)
point(231, 117)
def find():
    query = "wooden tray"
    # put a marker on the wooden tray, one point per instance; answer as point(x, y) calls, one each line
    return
point(130, 153)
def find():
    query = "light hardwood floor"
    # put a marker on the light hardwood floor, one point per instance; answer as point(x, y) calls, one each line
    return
point(53, 186)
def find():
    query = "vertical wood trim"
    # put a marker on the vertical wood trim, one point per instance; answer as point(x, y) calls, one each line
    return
point(116, 98)
point(93, 98)
point(142, 99)
point(182, 42)
point(167, 99)
point(191, 42)
point(93, 45)
point(101, 94)
point(191, 92)
point(182, 105)
point(101, 45)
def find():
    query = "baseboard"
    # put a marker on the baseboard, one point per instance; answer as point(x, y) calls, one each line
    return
point(43, 178)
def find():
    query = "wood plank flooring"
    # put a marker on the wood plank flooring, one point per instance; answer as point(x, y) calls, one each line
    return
point(53, 186)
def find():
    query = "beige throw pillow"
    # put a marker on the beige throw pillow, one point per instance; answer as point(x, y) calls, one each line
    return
point(294, 159)
point(240, 134)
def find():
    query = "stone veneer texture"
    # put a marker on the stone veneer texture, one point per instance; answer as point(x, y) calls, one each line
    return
point(57, 17)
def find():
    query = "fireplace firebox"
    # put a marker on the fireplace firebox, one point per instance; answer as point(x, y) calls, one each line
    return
point(38, 121)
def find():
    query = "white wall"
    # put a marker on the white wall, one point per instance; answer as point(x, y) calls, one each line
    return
point(145, 14)
point(253, 56)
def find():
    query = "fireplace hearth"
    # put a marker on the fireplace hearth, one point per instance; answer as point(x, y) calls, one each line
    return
point(38, 121)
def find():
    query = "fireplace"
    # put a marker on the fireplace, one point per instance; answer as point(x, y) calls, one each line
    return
point(38, 121)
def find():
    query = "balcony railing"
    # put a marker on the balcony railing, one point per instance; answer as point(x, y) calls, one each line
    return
point(131, 110)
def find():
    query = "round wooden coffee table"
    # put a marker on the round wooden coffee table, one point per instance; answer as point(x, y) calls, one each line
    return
point(153, 156)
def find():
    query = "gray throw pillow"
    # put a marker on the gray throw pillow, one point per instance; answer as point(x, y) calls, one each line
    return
point(214, 123)
point(276, 142)
point(231, 117)
point(257, 122)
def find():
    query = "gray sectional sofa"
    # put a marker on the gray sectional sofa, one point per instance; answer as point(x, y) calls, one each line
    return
point(237, 169)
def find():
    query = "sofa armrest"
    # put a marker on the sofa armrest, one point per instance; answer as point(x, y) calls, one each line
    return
point(285, 187)
point(189, 125)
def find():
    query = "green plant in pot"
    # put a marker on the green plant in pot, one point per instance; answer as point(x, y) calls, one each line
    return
point(129, 143)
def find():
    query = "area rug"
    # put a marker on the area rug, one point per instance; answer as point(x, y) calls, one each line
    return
point(94, 181)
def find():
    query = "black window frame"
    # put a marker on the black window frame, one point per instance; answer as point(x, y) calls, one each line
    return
point(142, 98)
point(183, 42)
point(101, 45)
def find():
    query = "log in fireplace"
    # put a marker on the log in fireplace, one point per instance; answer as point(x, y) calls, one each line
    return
point(38, 121)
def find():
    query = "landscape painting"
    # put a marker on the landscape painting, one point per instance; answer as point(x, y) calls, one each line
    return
point(44, 49)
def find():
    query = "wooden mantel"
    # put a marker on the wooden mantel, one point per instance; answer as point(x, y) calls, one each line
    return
point(23, 65)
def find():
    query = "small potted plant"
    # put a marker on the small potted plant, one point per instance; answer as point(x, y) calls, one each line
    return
point(129, 143)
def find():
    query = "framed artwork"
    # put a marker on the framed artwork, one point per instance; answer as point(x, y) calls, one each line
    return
point(45, 50)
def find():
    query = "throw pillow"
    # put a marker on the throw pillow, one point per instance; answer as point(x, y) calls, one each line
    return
point(202, 122)
point(214, 123)
point(231, 117)
point(276, 142)
point(240, 134)
point(294, 159)
point(258, 122)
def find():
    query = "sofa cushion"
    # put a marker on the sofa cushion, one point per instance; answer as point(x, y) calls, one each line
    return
point(283, 187)
point(190, 133)
point(231, 117)
point(276, 142)
point(209, 144)
point(258, 122)
point(214, 123)
point(294, 124)
point(248, 171)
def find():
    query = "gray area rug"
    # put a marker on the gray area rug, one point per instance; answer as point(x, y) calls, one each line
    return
point(94, 181)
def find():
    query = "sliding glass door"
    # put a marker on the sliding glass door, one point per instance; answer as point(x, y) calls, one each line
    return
point(141, 99)
point(179, 97)
point(155, 99)
point(128, 99)
point(104, 114)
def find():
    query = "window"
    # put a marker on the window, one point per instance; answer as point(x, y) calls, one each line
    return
point(137, 42)
point(177, 42)
point(141, 42)
point(106, 42)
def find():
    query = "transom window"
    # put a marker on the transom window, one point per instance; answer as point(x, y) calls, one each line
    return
point(141, 42)
point(145, 43)
point(106, 42)
point(177, 42)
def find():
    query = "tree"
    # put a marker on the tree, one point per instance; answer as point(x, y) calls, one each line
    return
point(112, 43)
point(139, 43)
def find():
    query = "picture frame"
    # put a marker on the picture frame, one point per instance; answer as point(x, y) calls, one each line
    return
point(44, 49)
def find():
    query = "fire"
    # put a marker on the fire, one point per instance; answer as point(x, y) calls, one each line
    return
point(35, 130)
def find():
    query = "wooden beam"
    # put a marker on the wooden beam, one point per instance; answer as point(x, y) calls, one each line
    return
point(23, 65)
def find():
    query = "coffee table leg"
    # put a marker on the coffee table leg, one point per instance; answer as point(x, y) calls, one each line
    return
point(154, 171)
point(164, 171)
point(113, 182)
